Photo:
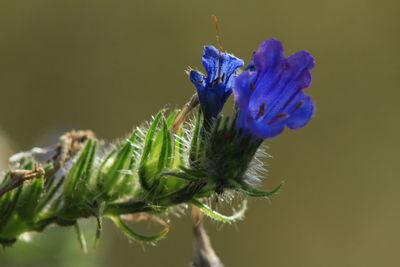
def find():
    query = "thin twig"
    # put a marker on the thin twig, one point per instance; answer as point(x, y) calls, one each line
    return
point(203, 255)
point(189, 106)
point(69, 145)
point(18, 177)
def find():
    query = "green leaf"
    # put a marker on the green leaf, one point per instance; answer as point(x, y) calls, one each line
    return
point(253, 192)
point(48, 196)
point(99, 228)
point(8, 224)
point(136, 236)
point(196, 142)
point(239, 215)
point(117, 171)
point(8, 203)
point(171, 118)
point(29, 199)
point(76, 182)
point(129, 183)
point(158, 159)
point(77, 190)
point(149, 137)
point(81, 238)
point(144, 173)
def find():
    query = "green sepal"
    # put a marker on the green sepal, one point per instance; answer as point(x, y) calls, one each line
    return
point(29, 199)
point(159, 158)
point(195, 145)
point(77, 178)
point(10, 225)
point(77, 189)
point(48, 196)
point(116, 178)
point(136, 236)
point(171, 118)
point(239, 215)
point(99, 228)
point(144, 172)
point(253, 192)
point(81, 238)
point(148, 143)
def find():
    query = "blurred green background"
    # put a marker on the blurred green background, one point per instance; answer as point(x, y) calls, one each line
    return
point(109, 65)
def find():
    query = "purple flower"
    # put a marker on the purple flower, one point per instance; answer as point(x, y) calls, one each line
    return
point(269, 95)
point(214, 90)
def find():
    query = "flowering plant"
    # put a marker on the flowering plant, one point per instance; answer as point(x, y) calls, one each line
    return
point(169, 162)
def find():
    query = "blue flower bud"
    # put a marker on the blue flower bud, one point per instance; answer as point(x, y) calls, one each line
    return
point(215, 88)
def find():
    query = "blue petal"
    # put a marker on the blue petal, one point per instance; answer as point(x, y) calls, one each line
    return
point(219, 63)
point(269, 95)
point(302, 115)
point(270, 65)
point(212, 100)
point(242, 88)
point(197, 79)
point(279, 87)
point(257, 129)
point(268, 55)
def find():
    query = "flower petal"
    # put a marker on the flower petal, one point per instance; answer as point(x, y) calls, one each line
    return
point(256, 128)
point(281, 90)
point(198, 79)
point(276, 99)
point(213, 59)
point(242, 88)
point(302, 115)
point(268, 55)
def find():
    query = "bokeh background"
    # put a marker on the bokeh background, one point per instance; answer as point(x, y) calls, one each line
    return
point(109, 65)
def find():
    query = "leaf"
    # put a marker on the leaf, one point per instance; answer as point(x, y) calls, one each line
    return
point(149, 137)
point(99, 228)
point(195, 143)
point(171, 118)
point(144, 172)
point(136, 236)
point(115, 174)
point(253, 192)
point(129, 182)
point(29, 199)
point(81, 171)
point(81, 238)
point(239, 215)
point(158, 159)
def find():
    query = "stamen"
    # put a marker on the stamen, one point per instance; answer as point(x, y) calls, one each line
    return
point(218, 37)
point(299, 105)
point(286, 65)
point(252, 87)
point(278, 118)
point(280, 115)
point(261, 112)
point(215, 82)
